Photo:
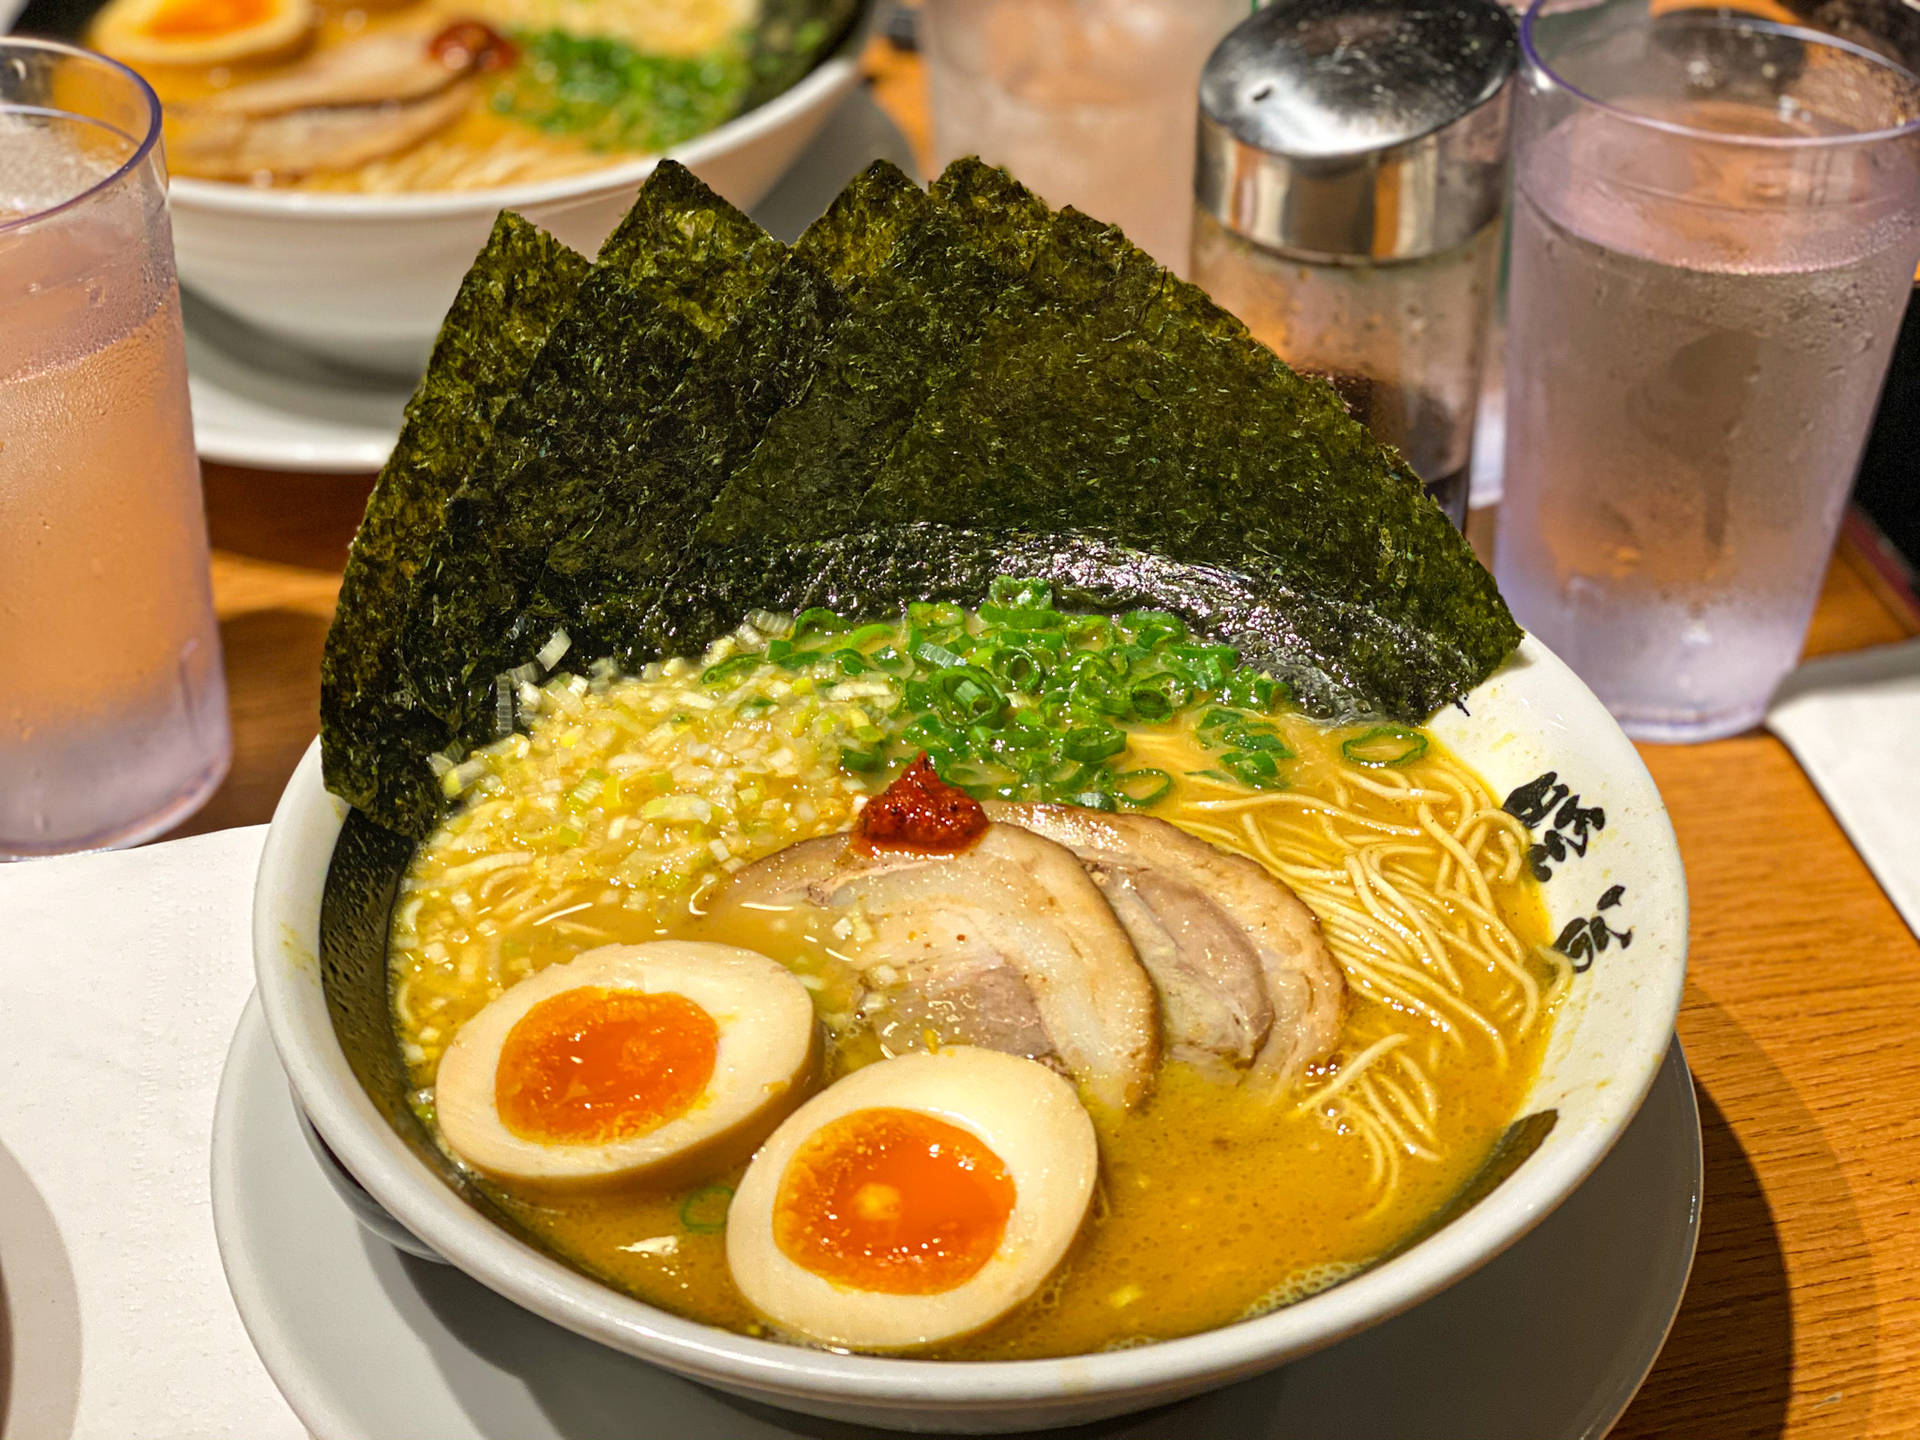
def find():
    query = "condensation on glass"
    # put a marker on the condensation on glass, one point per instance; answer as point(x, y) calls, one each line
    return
point(113, 713)
point(1350, 187)
point(1716, 222)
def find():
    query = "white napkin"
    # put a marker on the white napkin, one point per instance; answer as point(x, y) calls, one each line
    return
point(121, 979)
point(1853, 722)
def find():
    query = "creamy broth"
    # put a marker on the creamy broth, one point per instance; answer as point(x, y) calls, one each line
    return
point(1213, 1204)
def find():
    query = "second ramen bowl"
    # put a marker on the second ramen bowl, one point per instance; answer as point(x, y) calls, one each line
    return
point(365, 280)
point(1534, 733)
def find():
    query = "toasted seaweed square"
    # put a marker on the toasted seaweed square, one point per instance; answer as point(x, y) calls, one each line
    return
point(520, 283)
point(694, 329)
point(904, 329)
point(1110, 397)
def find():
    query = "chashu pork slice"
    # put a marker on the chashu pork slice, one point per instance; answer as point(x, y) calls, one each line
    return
point(342, 107)
point(1009, 935)
point(1243, 973)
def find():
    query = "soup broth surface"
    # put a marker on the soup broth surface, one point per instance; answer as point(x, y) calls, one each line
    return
point(622, 812)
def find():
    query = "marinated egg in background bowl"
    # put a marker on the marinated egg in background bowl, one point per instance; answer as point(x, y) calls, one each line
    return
point(658, 1063)
point(917, 1200)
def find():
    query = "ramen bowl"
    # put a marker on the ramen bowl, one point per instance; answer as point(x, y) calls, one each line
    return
point(1616, 896)
point(365, 280)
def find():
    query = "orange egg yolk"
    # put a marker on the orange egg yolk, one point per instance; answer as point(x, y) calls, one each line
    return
point(590, 1066)
point(193, 19)
point(893, 1201)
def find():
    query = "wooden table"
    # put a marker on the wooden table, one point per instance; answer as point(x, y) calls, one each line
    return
point(1803, 1316)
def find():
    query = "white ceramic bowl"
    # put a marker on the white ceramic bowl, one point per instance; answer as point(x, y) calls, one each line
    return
point(365, 280)
point(1532, 718)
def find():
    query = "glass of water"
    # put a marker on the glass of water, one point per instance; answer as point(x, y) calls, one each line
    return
point(1715, 225)
point(1090, 103)
point(113, 706)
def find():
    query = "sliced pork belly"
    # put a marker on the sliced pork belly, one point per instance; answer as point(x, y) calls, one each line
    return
point(1243, 973)
point(1009, 937)
point(369, 98)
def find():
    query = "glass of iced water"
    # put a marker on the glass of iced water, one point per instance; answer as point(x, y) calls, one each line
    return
point(1715, 226)
point(113, 706)
point(1091, 103)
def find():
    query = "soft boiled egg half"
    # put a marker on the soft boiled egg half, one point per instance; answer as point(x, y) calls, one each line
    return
point(202, 32)
point(657, 1063)
point(917, 1200)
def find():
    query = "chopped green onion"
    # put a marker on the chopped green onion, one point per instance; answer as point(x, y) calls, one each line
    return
point(861, 761)
point(1018, 666)
point(1089, 743)
point(867, 634)
point(1151, 627)
point(1385, 745)
point(704, 1212)
point(733, 668)
point(1141, 788)
point(936, 655)
point(1257, 736)
point(590, 788)
point(1252, 692)
point(964, 694)
point(935, 612)
point(816, 621)
point(1256, 768)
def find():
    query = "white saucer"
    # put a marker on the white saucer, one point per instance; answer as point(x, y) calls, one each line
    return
point(1549, 1342)
point(258, 401)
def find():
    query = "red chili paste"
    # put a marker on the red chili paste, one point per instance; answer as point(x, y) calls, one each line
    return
point(469, 44)
point(920, 811)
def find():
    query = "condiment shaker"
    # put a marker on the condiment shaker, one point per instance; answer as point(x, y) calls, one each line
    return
point(1350, 193)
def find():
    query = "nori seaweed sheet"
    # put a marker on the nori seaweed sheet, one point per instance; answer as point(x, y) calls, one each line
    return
point(745, 376)
point(658, 382)
point(678, 268)
point(1108, 396)
point(520, 283)
point(905, 329)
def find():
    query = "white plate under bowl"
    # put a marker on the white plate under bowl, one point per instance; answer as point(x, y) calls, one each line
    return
point(261, 402)
point(1616, 897)
point(1549, 1342)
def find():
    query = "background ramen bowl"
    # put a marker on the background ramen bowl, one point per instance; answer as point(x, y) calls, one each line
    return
point(1533, 727)
point(365, 280)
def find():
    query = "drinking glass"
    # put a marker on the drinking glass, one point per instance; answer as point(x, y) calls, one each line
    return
point(1715, 225)
point(113, 706)
point(1090, 103)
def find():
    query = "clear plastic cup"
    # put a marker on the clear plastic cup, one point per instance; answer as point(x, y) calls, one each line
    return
point(1716, 220)
point(113, 705)
point(1090, 103)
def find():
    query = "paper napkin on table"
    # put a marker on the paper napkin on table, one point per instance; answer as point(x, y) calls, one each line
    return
point(1853, 722)
point(121, 979)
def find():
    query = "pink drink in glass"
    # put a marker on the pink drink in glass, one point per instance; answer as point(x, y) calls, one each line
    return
point(113, 717)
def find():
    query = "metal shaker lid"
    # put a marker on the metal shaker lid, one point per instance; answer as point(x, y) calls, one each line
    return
point(1372, 129)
